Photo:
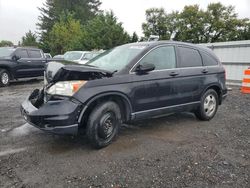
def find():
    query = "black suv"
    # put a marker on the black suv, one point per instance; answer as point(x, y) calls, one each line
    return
point(127, 83)
point(20, 62)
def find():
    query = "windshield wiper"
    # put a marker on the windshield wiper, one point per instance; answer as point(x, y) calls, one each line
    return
point(114, 72)
point(89, 65)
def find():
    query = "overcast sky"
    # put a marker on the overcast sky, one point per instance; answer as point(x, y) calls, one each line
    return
point(19, 16)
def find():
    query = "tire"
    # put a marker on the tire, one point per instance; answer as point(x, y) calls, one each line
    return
point(103, 124)
point(208, 106)
point(4, 78)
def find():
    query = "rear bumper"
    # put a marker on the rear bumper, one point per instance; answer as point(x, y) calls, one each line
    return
point(224, 97)
point(58, 117)
point(224, 94)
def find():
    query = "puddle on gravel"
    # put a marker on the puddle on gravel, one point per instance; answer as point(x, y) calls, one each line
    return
point(23, 130)
point(11, 151)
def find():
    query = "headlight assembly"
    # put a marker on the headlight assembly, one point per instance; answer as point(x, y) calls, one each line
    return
point(66, 88)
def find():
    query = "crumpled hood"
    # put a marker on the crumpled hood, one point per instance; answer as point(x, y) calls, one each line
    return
point(56, 71)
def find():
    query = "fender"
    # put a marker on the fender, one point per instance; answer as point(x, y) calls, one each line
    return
point(214, 85)
point(125, 97)
point(8, 69)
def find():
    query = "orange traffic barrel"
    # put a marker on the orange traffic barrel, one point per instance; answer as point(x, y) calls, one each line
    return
point(246, 82)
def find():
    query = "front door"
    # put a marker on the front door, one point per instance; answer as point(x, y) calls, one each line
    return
point(23, 64)
point(157, 90)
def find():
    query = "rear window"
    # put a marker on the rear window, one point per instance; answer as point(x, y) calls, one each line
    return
point(208, 60)
point(35, 53)
point(189, 57)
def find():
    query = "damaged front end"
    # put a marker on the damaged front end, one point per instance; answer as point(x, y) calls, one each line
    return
point(54, 108)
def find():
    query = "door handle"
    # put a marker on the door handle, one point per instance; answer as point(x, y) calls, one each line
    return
point(174, 74)
point(204, 71)
point(29, 61)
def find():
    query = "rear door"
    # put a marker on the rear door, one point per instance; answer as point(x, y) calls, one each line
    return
point(192, 75)
point(38, 62)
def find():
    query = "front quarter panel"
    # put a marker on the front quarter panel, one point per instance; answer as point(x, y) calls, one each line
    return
point(120, 85)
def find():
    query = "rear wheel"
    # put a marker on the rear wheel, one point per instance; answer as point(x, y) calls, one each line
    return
point(103, 124)
point(208, 106)
point(4, 77)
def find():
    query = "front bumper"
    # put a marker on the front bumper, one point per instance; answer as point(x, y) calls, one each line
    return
point(58, 117)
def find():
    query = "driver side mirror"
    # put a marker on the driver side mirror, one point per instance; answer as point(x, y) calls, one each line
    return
point(16, 58)
point(141, 69)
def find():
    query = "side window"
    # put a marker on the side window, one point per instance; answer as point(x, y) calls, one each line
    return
point(35, 53)
point(162, 58)
point(208, 60)
point(22, 53)
point(189, 57)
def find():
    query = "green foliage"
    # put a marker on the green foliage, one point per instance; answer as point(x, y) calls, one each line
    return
point(82, 10)
point(216, 23)
point(190, 24)
point(4, 43)
point(243, 31)
point(156, 23)
point(65, 35)
point(104, 32)
point(134, 37)
point(30, 39)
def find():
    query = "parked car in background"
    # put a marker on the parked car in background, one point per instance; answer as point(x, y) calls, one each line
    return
point(75, 56)
point(20, 62)
point(88, 56)
point(127, 83)
point(58, 56)
point(47, 55)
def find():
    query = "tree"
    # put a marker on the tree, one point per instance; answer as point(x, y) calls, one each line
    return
point(134, 37)
point(65, 35)
point(82, 10)
point(221, 23)
point(190, 24)
point(156, 23)
point(243, 31)
point(4, 43)
point(104, 32)
point(30, 39)
point(216, 23)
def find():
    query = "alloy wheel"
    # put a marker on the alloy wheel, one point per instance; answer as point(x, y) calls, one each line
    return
point(210, 105)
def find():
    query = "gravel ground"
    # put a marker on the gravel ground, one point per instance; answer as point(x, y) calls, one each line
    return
point(173, 151)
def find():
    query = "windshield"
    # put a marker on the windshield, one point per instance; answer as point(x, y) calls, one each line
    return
point(87, 56)
point(116, 58)
point(72, 56)
point(6, 52)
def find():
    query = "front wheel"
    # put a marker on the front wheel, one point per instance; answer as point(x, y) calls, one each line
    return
point(4, 77)
point(103, 124)
point(208, 106)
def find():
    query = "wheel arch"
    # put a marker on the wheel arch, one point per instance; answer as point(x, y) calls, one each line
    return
point(218, 90)
point(121, 99)
point(9, 71)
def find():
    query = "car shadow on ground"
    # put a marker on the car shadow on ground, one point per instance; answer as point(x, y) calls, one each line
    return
point(25, 81)
point(166, 124)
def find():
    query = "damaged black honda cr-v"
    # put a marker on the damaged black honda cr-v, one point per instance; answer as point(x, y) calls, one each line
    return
point(127, 83)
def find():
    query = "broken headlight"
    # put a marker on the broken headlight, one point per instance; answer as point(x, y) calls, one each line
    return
point(65, 88)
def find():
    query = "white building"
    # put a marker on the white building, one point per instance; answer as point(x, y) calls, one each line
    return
point(235, 57)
